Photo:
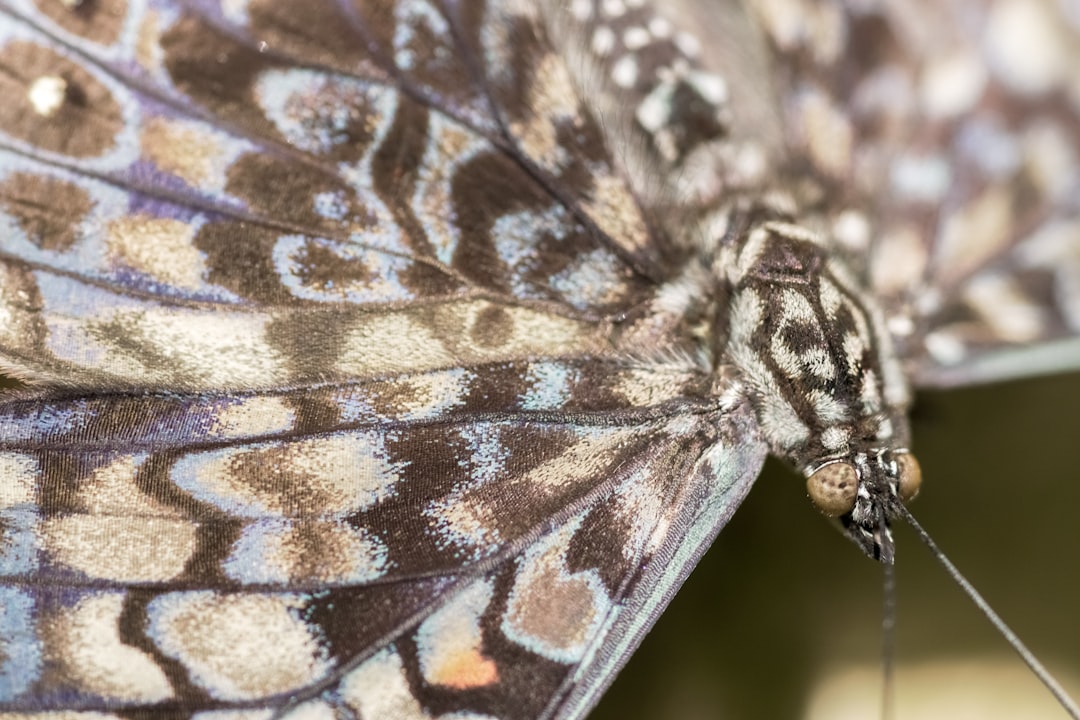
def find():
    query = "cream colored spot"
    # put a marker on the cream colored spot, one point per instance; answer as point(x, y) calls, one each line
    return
point(379, 688)
point(952, 84)
point(120, 548)
point(688, 44)
point(333, 476)
point(554, 89)
point(253, 416)
point(746, 314)
point(47, 94)
point(636, 37)
point(852, 230)
point(603, 41)
point(1026, 46)
point(581, 10)
point(551, 611)
point(17, 479)
point(974, 234)
point(791, 231)
point(624, 72)
point(592, 279)
point(920, 178)
point(1052, 157)
point(468, 517)
point(84, 641)
point(390, 343)
point(159, 247)
point(783, 20)
point(148, 49)
point(660, 27)
point(186, 150)
point(818, 360)
point(1012, 316)
point(755, 247)
point(899, 261)
point(945, 347)
point(450, 642)
point(239, 647)
point(615, 212)
point(828, 134)
point(613, 8)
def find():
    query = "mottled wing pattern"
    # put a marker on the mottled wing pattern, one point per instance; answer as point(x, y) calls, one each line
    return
point(303, 222)
point(944, 143)
point(370, 549)
point(325, 313)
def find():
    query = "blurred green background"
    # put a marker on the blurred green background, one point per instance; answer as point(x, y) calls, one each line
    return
point(782, 618)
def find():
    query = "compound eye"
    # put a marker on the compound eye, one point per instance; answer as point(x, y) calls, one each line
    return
point(910, 476)
point(832, 488)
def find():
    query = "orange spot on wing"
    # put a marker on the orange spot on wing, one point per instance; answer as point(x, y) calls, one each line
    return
point(464, 669)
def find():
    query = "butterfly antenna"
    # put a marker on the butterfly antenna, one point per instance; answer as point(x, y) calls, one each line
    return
point(1026, 655)
point(888, 644)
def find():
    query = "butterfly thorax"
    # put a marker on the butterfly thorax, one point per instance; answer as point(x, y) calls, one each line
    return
point(817, 363)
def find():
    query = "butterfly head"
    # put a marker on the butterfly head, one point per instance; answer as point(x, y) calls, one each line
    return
point(862, 491)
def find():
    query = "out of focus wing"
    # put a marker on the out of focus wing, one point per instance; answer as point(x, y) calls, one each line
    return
point(943, 140)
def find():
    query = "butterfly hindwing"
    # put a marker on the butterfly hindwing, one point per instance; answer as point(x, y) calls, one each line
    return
point(472, 557)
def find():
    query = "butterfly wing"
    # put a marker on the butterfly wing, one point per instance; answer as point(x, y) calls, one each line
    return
point(325, 314)
point(404, 543)
point(943, 143)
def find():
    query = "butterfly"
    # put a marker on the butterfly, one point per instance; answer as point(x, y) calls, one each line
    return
point(401, 359)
